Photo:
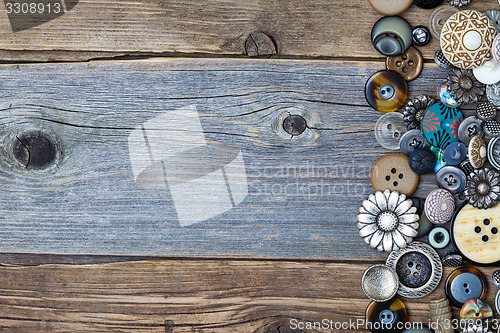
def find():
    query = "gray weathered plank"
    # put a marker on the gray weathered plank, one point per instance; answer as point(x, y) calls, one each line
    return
point(322, 28)
point(303, 191)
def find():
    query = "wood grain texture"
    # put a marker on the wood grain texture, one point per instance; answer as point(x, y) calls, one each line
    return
point(303, 191)
point(321, 28)
point(188, 296)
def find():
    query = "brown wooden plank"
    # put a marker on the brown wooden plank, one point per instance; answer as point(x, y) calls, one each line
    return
point(90, 204)
point(322, 28)
point(188, 295)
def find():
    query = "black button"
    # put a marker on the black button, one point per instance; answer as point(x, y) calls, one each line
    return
point(421, 35)
point(427, 4)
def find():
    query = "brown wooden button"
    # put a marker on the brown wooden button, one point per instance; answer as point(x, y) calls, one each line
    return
point(392, 172)
point(409, 64)
point(390, 7)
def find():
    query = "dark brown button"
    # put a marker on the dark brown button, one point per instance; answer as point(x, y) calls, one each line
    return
point(409, 64)
point(392, 172)
point(386, 317)
point(386, 91)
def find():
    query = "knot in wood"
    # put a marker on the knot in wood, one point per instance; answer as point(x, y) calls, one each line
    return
point(34, 150)
point(259, 44)
point(294, 125)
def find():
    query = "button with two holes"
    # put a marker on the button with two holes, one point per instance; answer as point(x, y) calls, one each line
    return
point(388, 130)
point(464, 284)
point(408, 64)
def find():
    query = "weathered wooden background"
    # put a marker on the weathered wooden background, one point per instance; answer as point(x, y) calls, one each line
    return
point(87, 249)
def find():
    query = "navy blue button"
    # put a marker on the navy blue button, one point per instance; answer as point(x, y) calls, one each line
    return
point(422, 161)
point(455, 153)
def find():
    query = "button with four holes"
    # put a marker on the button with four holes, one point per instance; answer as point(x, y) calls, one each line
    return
point(464, 284)
point(392, 172)
point(408, 64)
point(475, 233)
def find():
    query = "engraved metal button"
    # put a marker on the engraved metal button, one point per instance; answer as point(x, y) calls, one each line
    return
point(493, 94)
point(495, 277)
point(486, 111)
point(441, 60)
point(492, 128)
point(453, 260)
point(419, 269)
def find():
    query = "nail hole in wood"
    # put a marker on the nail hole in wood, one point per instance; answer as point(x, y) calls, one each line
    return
point(294, 125)
point(34, 150)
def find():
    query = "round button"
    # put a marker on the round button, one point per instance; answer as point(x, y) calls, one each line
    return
point(464, 284)
point(386, 91)
point(446, 97)
point(408, 64)
point(439, 206)
point(439, 17)
point(427, 4)
point(441, 60)
point(493, 94)
point(440, 125)
point(439, 238)
point(451, 179)
point(415, 109)
point(494, 152)
point(418, 267)
point(494, 16)
point(380, 283)
point(419, 204)
point(455, 153)
point(391, 35)
point(488, 73)
point(421, 35)
point(411, 141)
point(386, 317)
point(389, 129)
point(477, 152)
point(422, 161)
point(486, 111)
point(495, 48)
point(453, 260)
point(495, 277)
point(476, 234)
point(492, 128)
point(392, 172)
point(471, 126)
point(476, 310)
point(424, 225)
point(391, 7)
point(466, 39)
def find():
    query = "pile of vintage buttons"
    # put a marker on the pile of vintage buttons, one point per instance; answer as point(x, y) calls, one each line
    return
point(462, 213)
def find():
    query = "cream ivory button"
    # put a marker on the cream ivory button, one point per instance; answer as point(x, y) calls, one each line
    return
point(475, 233)
point(489, 73)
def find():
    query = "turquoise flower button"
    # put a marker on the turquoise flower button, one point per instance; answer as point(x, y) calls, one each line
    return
point(440, 125)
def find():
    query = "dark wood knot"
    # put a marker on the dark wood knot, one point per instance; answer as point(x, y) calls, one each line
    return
point(34, 150)
point(260, 44)
point(294, 125)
